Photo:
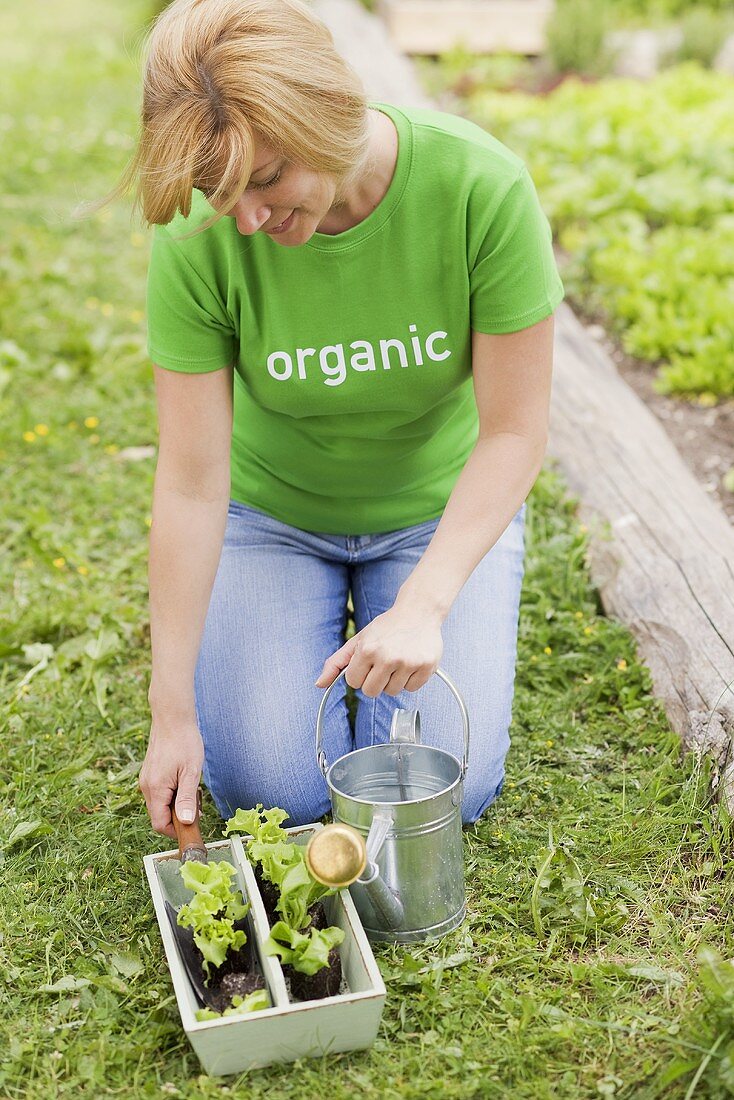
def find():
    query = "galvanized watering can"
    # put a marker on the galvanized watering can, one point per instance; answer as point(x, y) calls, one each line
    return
point(396, 838)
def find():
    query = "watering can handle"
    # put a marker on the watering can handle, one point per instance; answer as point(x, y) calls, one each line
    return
point(321, 755)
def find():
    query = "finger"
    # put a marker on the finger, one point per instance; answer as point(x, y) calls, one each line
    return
point(334, 664)
point(187, 797)
point(418, 679)
point(375, 682)
point(159, 811)
point(397, 682)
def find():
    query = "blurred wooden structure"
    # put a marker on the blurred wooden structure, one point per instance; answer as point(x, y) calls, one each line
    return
point(480, 26)
point(662, 553)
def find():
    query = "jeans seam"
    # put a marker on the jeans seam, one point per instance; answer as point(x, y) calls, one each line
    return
point(363, 590)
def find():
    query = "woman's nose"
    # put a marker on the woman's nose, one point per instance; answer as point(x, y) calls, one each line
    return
point(250, 215)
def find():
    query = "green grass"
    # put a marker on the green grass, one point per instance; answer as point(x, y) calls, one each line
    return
point(581, 981)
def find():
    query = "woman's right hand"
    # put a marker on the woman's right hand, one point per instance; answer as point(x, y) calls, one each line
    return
point(172, 767)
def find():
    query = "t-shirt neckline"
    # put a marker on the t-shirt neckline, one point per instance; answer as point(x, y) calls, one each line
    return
point(336, 242)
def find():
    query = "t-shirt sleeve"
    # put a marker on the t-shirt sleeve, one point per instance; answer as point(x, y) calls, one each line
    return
point(188, 325)
point(514, 282)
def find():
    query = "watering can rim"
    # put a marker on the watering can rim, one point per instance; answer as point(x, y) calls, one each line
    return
point(406, 802)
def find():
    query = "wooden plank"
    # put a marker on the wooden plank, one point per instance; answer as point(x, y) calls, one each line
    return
point(667, 571)
point(480, 26)
point(662, 553)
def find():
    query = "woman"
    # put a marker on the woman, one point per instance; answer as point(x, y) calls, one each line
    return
point(350, 319)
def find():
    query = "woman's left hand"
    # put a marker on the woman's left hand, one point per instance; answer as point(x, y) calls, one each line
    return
point(399, 650)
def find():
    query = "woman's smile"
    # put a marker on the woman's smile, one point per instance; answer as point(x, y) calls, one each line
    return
point(284, 225)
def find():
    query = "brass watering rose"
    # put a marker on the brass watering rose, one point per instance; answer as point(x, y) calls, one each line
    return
point(336, 855)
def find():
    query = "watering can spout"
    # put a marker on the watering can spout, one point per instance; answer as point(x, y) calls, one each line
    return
point(338, 856)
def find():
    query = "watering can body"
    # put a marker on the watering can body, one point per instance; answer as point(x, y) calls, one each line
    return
point(404, 798)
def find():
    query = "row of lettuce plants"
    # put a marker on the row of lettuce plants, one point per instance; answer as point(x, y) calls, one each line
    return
point(637, 180)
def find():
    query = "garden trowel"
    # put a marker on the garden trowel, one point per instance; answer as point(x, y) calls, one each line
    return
point(190, 847)
point(242, 962)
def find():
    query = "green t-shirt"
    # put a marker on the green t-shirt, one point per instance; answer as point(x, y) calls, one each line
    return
point(354, 410)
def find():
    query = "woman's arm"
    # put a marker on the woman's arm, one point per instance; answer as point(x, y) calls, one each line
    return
point(190, 498)
point(512, 381)
point(512, 385)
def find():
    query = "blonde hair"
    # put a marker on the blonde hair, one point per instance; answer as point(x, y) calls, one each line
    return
point(218, 75)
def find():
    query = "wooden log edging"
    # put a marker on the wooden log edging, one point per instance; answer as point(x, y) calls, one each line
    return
point(661, 552)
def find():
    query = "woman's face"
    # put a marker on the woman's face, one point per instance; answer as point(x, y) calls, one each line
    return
point(282, 199)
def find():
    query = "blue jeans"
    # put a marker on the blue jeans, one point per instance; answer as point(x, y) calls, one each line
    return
point(279, 608)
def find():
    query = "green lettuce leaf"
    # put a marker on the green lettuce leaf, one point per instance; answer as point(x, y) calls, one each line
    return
point(305, 952)
point(212, 911)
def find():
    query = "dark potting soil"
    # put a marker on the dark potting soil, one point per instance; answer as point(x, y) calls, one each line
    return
point(236, 985)
point(317, 914)
point(313, 987)
point(269, 893)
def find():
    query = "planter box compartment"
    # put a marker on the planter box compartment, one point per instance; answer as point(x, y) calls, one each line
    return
point(288, 1030)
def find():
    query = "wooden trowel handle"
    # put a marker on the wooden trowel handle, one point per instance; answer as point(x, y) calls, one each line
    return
point(190, 842)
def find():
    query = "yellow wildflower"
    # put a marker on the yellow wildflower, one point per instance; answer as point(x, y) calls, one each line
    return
point(548, 650)
point(111, 449)
point(533, 658)
point(29, 437)
point(549, 744)
point(136, 316)
point(59, 562)
point(82, 569)
point(588, 630)
point(578, 614)
point(41, 429)
point(148, 521)
point(583, 528)
point(91, 421)
point(621, 664)
point(94, 438)
point(107, 309)
point(72, 425)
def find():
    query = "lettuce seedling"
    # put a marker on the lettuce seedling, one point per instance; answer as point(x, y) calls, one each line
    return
point(253, 1002)
point(299, 891)
point(212, 911)
point(275, 857)
point(306, 952)
point(282, 862)
point(262, 825)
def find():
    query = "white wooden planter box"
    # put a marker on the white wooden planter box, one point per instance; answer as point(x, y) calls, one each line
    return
point(288, 1030)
